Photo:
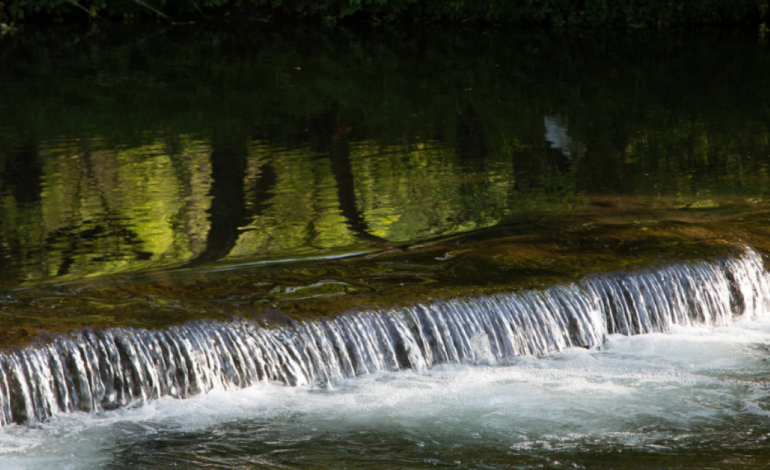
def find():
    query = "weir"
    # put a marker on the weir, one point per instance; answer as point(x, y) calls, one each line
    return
point(92, 371)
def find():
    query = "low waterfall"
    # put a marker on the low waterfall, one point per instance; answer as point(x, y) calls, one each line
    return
point(103, 370)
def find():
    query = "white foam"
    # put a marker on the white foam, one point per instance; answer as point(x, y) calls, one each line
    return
point(634, 391)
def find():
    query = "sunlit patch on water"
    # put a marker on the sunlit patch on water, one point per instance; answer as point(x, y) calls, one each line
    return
point(697, 394)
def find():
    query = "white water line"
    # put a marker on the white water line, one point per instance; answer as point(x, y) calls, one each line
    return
point(101, 370)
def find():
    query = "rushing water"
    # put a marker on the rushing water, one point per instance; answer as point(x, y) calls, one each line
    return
point(102, 370)
point(690, 398)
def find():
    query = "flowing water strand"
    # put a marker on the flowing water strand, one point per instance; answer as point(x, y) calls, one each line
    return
point(103, 370)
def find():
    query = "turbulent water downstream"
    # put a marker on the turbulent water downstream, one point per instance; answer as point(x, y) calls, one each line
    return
point(104, 370)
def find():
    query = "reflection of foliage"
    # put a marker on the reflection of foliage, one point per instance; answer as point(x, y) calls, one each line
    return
point(426, 192)
point(688, 158)
point(440, 135)
point(136, 191)
point(301, 215)
point(108, 211)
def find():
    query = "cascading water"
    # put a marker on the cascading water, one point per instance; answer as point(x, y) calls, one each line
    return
point(102, 370)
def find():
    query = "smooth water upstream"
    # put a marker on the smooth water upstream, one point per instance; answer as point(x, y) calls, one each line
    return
point(384, 249)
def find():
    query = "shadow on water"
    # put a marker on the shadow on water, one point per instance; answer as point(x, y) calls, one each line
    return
point(227, 212)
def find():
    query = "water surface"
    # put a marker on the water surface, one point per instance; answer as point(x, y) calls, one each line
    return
point(129, 150)
point(153, 177)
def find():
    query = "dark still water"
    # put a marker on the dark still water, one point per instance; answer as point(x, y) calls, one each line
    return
point(384, 249)
point(131, 150)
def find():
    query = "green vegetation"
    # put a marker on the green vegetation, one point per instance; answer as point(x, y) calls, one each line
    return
point(636, 13)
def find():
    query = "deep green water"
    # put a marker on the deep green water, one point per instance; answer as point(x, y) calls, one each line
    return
point(155, 170)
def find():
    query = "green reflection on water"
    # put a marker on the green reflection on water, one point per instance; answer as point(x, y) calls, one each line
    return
point(130, 151)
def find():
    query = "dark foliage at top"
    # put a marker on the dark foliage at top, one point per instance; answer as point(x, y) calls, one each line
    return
point(554, 12)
